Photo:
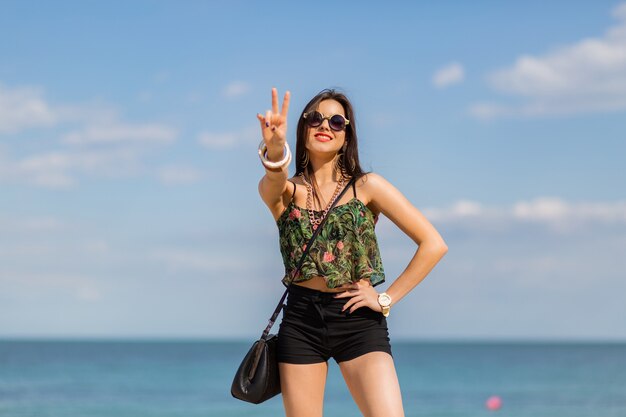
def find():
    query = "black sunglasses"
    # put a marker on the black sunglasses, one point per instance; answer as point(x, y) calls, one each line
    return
point(336, 122)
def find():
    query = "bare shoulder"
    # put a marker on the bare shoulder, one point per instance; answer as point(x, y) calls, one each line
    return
point(388, 200)
point(371, 181)
point(382, 196)
point(368, 186)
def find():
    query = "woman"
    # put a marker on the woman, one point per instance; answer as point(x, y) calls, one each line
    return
point(332, 307)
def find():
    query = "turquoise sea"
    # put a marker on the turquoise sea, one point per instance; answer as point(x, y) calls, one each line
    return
point(192, 378)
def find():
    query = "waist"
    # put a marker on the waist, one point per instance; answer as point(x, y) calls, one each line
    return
point(319, 284)
point(316, 284)
point(298, 295)
point(300, 291)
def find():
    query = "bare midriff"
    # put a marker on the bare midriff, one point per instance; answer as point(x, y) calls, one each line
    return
point(319, 283)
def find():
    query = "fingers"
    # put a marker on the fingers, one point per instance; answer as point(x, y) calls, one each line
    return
point(360, 304)
point(355, 303)
point(285, 109)
point(261, 120)
point(343, 294)
point(349, 291)
point(273, 119)
point(264, 120)
point(274, 100)
point(268, 118)
point(359, 297)
point(350, 303)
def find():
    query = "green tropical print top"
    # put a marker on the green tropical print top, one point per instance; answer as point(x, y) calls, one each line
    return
point(345, 251)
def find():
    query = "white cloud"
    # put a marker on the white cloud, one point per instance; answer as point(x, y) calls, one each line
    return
point(450, 74)
point(89, 125)
point(225, 140)
point(235, 89)
point(619, 12)
point(588, 76)
point(61, 169)
point(23, 108)
point(89, 113)
point(118, 132)
point(179, 175)
point(40, 224)
point(489, 111)
point(554, 213)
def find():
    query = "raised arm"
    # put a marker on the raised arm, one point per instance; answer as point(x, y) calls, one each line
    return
point(274, 131)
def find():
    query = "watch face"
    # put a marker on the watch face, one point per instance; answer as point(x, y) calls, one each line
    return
point(384, 300)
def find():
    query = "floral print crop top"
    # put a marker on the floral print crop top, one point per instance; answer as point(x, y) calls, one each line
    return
point(345, 250)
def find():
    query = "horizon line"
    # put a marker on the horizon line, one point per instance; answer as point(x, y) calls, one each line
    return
point(400, 340)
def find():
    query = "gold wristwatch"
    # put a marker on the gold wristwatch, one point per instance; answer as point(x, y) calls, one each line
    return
point(385, 302)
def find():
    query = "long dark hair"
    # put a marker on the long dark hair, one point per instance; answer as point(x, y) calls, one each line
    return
point(348, 164)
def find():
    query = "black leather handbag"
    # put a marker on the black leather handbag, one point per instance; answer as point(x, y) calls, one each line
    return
point(257, 378)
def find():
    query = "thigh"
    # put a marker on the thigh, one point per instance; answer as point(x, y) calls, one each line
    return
point(302, 387)
point(373, 383)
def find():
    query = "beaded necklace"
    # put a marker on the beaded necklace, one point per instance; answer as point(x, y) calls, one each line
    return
point(309, 200)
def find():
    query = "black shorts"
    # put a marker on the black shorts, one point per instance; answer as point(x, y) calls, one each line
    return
point(314, 329)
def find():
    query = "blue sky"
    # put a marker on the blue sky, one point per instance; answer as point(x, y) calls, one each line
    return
point(129, 172)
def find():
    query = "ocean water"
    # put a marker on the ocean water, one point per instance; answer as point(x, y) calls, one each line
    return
point(192, 378)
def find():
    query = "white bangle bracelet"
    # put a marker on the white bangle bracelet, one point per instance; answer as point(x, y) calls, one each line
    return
point(270, 164)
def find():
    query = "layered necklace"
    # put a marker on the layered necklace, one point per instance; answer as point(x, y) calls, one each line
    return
point(309, 200)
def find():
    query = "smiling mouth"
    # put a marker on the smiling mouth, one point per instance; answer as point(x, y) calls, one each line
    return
point(323, 137)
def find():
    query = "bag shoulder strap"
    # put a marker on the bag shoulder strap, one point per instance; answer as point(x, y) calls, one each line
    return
point(304, 254)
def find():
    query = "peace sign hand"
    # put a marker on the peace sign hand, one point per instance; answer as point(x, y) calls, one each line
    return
point(274, 124)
